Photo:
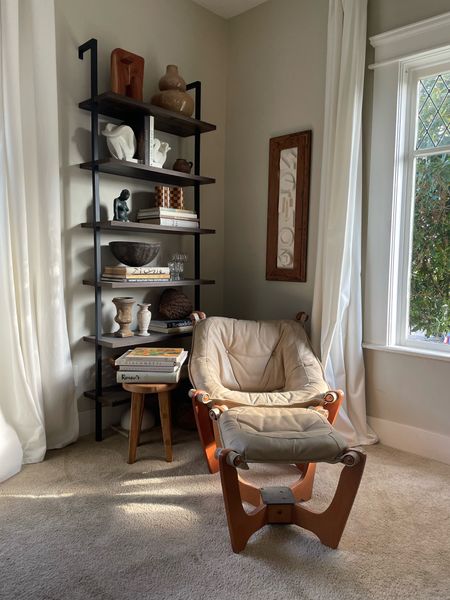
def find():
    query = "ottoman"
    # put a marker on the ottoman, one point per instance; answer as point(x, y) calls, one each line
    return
point(300, 436)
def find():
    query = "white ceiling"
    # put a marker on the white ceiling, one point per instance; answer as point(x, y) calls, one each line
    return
point(229, 8)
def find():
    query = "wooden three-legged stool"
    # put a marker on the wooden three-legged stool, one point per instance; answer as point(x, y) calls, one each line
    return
point(138, 392)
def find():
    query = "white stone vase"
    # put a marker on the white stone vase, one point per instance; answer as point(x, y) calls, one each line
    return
point(143, 319)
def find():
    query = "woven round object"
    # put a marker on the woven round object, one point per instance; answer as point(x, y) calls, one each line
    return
point(174, 304)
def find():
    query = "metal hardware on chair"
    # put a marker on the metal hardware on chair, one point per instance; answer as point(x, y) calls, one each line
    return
point(214, 414)
point(200, 396)
point(351, 458)
point(330, 397)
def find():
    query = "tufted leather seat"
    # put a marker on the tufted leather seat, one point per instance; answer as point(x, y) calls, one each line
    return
point(272, 434)
point(257, 363)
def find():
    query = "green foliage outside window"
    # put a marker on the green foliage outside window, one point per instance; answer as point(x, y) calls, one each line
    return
point(430, 268)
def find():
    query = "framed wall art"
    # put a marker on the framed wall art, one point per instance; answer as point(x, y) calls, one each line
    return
point(288, 206)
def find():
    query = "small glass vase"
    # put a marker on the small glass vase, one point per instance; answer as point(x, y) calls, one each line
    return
point(176, 266)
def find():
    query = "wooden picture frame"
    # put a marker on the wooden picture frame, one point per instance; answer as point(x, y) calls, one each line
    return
point(288, 206)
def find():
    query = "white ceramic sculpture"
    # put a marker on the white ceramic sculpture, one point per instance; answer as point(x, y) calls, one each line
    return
point(160, 150)
point(143, 319)
point(121, 141)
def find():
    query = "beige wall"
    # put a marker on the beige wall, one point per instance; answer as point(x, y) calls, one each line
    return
point(403, 389)
point(276, 86)
point(178, 32)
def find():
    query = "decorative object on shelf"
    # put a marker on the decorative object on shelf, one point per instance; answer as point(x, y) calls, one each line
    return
point(127, 73)
point(121, 209)
point(287, 218)
point(159, 153)
point(173, 304)
point(182, 165)
point(176, 266)
point(124, 316)
point(135, 254)
point(143, 319)
point(121, 141)
point(148, 420)
point(177, 198)
point(173, 95)
point(162, 196)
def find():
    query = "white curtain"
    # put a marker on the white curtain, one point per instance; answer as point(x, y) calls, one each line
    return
point(37, 390)
point(336, 324)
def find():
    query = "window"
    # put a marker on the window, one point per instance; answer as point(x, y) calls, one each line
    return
point(423, 261)
point(407, 269)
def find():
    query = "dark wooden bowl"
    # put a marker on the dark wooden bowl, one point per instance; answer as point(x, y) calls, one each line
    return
point(134, 254)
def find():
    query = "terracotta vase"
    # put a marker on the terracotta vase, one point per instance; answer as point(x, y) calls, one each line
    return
point(143, 319)
point(173, 95)
point(124, 316)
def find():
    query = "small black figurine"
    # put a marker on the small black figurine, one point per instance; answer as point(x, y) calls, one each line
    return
point(121, 209)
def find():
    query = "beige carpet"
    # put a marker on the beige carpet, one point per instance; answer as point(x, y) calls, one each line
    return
point(84, 524)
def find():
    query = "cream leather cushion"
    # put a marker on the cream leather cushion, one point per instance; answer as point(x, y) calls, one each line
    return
point(271, 434)
point(255, 362)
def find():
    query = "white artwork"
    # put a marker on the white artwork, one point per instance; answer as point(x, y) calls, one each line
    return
point(158, 153)
point(121, 141)
point(286, 208)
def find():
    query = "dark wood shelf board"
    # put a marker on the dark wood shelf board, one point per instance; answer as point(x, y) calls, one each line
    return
point(124, 168)
point(108, 340)
point(148, 284)
point(146, 228)
point(125, 109)
point(113, 395)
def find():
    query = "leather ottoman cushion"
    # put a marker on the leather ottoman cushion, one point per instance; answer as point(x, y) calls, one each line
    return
point(287, 435)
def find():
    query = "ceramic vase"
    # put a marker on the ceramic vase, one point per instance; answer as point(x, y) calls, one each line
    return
point(143, 319)
point(173, 95)
point(124, 316)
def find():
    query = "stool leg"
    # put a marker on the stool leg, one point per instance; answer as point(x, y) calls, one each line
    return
point(166, 424)
point(137, 408)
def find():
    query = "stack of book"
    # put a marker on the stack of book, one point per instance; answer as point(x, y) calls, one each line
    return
point(170, 217)
point(150, 365)
point(125, 274)
point(171, 326)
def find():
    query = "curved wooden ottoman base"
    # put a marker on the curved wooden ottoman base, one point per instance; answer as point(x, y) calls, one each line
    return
point(250, 435)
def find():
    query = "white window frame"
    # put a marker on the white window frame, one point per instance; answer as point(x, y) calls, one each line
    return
point(410, 72)
point(402, 57)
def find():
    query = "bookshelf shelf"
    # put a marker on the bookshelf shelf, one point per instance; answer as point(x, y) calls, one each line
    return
point(112, 166)
point(148, 284)
point(122, 109)
point(108, 340)
point(113, 395)
point(121, 226)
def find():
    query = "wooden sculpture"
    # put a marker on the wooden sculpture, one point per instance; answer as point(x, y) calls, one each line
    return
point(127, 73)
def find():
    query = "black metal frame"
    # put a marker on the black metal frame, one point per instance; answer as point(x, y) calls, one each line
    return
point(92, 46)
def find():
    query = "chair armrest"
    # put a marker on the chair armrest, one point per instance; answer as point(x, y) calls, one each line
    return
point(200, 396)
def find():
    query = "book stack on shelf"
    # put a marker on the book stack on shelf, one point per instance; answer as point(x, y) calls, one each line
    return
point(171, 217)
point(122, 273)
point(150, 365)
point(171, 326)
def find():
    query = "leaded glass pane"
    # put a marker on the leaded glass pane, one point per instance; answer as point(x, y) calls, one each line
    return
point(429, 311)
point(433, 119)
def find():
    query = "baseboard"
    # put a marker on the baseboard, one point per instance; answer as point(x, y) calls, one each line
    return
point(412, 439)
point(110, 416)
